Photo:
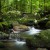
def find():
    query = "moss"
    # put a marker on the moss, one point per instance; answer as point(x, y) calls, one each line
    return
point(48, 24)
point(40, 40)
point(5, 23)
point(1, 26)
point(26, 21)
point(43, 39)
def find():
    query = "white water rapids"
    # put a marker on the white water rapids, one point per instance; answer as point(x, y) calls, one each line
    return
point(32, 31)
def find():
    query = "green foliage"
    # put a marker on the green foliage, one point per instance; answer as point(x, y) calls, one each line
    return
point(25, 21)
point(11, 11)
point(1, 26)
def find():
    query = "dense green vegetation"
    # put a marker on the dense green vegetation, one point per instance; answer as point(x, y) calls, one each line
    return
point(25, 12)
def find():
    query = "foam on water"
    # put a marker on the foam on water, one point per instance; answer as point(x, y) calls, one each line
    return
point(33, 31)
point(20, 42)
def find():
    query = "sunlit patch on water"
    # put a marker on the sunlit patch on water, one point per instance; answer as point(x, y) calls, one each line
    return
point(33, 31)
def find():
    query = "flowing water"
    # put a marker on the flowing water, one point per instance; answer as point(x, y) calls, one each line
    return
point(20, 44)
point(33, 31)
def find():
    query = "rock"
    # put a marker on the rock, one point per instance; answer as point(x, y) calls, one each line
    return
point(42, 23)
point(48, 24)
point(20, 28)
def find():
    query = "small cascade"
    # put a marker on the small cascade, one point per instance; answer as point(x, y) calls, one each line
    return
point(21, 41)
point(33, 31)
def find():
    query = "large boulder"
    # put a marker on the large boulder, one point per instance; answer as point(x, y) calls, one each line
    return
point(20, 28)
point(42, 39)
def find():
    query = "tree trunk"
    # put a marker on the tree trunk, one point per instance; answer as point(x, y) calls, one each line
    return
point(0, 7)
point(31, 7)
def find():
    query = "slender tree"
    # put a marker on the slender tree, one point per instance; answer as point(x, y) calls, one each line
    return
point(0, 8)
point(44, 4)
point(31, 7)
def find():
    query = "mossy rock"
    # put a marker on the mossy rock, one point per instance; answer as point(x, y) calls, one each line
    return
point(48, 24)
point(40, 40)
point(42, 23)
